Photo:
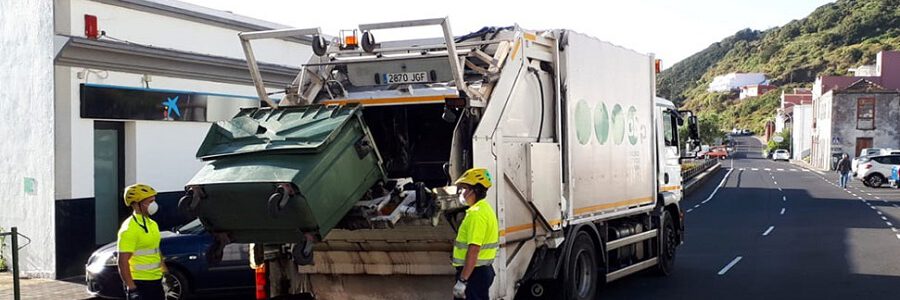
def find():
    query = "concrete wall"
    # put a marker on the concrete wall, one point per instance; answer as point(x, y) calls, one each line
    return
point(837, 127)
point(887, 121)
point(26, 98)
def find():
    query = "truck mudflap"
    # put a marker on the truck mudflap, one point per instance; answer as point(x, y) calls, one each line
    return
point(286, 175)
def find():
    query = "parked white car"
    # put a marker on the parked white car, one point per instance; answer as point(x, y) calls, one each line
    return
point(866, 153)
point(781, 154)
point(874, 171)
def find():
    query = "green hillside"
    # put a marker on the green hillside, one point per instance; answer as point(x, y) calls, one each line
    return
point(832, 39)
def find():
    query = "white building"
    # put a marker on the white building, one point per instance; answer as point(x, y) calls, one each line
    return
point(88, 116)
point(733, 81)
point(801, 132)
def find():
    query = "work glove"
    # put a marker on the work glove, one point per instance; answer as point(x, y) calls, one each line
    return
point(459, 290)
point(132, 294)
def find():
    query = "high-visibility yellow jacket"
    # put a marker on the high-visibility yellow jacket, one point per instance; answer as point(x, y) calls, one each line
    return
point(142, 240)
point(479, 227)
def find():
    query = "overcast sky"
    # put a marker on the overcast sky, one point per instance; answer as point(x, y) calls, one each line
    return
point(673, 30)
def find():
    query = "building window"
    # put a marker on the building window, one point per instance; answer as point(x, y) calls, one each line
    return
point(865, 113)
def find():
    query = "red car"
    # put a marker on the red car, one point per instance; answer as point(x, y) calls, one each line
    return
point(718, 152)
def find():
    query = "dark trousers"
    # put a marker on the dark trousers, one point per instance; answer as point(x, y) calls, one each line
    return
point(479, 283)
point(150, 289)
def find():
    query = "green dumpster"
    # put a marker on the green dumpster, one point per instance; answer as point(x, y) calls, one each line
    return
point(275, 175)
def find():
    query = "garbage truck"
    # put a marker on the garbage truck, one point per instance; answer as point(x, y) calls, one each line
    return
point(343, 186)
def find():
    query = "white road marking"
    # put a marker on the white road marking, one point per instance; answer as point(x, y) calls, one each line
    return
point(767, 169)
point(742, 169)
point(780, 190)
point(696, 206)
point(878, 212)
point(898, 236)
point(793, 170)
point(783, 198)
point(889, 223)
point(860, 198)
point(876, 197)
point(782, 211)
point(737, 259)
point(893, 229)
point(868, 194)
point(754, 169)
point(883, 218)
point(854, 195)
point(721, 184)
point(776, 182)
point(768, 230)
point(690, 210)
point(780, 169)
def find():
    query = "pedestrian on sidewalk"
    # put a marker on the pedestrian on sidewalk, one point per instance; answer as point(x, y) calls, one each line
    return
point(843, 169)
point(140, 262)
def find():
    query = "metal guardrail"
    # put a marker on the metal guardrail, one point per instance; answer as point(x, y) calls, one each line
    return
point(691, 173)
point(14, 245)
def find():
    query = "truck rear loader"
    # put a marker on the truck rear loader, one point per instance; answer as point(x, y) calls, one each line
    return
point(343, 186)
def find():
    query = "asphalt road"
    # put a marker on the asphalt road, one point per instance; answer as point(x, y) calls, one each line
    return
point(775, 230)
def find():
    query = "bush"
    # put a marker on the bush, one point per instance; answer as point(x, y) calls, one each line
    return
point(785, 144)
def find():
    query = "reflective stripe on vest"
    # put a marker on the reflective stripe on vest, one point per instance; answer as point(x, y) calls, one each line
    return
point(146, 267)
point(463, 246)
point(478, 263)
point(146, 251)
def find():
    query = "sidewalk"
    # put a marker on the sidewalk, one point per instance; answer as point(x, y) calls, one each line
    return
point(805, 165)
point(42, 289)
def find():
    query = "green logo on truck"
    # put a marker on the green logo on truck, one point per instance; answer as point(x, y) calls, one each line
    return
point(583, 122)
point(601, 123)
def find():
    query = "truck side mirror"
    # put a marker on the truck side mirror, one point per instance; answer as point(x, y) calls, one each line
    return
point(693, 128)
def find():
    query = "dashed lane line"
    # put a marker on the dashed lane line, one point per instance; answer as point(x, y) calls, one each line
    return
point(768, 230)
point(738, 259)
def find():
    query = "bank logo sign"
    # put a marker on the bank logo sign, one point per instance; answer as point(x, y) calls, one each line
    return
point(607, 125)
point(171, 105)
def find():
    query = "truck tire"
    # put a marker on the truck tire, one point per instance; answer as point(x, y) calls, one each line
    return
point(668, 239)
point(582, 274)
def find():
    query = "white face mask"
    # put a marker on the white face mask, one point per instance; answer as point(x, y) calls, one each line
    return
point(152, 208)
point(462, 198)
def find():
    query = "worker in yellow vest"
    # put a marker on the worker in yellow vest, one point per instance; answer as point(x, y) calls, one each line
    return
point(140, 262)
point(478, 238)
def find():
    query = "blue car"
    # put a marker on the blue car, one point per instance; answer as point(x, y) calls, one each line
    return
point(189, 273)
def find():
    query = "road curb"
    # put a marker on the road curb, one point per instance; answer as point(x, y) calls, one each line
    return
point(697, 181)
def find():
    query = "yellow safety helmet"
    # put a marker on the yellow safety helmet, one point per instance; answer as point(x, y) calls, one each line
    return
point(137, 193)
point(476, 176)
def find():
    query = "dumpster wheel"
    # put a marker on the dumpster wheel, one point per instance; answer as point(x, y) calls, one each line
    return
point(277, 202)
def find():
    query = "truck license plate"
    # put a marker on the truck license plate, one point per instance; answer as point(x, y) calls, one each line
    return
point(412, 77)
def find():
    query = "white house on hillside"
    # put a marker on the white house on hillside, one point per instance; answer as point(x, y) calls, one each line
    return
point(732, 81)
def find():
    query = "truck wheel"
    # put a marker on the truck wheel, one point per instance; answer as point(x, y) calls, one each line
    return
point(669, 242)
point(581, 270)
